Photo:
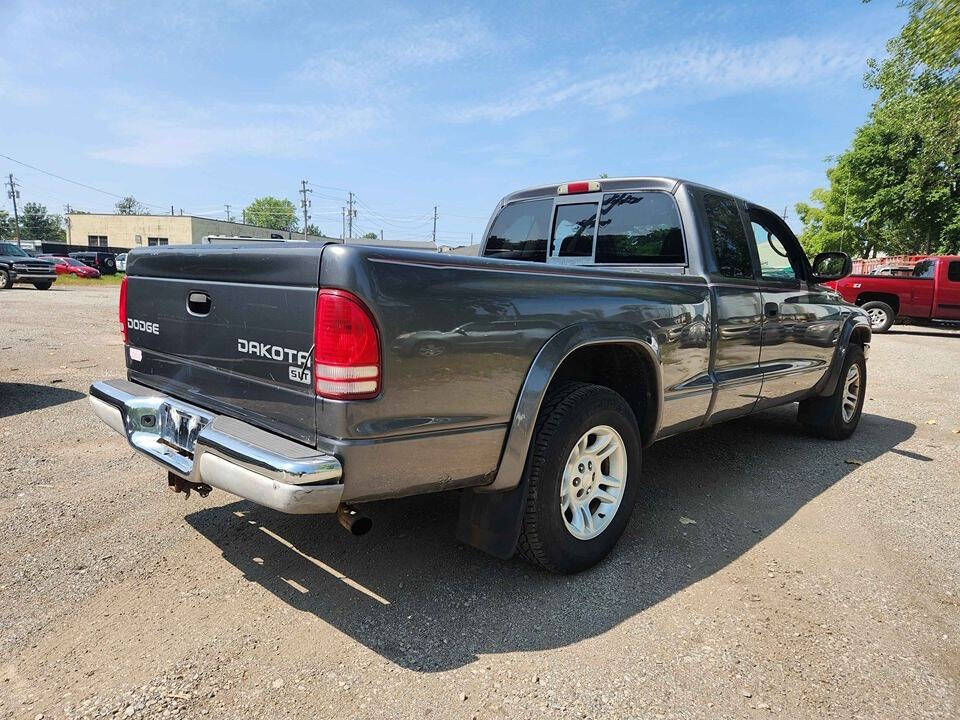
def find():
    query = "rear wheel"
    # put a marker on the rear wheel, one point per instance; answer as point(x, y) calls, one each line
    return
point(4, 280)
point(430, 348)
point(43, 285)
point(582, 478)
point(881, 315)
point(837, 416)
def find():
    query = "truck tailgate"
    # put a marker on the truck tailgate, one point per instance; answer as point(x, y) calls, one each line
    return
point(229, 329)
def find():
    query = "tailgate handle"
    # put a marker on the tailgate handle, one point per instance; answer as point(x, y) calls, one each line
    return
point(199, 303)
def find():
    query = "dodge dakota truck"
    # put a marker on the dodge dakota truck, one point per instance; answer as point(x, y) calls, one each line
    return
point(601, 316)
point(930, 292)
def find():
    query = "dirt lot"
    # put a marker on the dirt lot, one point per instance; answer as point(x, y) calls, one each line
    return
point(818, 579)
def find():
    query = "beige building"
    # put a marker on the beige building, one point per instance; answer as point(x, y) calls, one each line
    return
point(130, 231)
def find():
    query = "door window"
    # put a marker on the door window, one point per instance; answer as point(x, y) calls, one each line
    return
point(728, 236)
point(775, 260)
point(639, 227)
point(924, 269)
point(573, 230)
point(953, 271)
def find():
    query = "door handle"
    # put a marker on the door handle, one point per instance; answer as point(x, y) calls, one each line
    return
point(771, 309)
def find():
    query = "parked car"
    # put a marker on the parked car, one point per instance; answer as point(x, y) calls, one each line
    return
point(105, 262)
point(70, 266)
point(931, 292)
point(122, 262)
point(604, 315)
point(17, 266)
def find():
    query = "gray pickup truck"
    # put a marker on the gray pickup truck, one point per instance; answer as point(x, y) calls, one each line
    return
point(602, 316)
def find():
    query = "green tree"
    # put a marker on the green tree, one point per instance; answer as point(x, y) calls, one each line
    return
point(7, 230)
point(371, 236)
point(271, 212)
point(130, 206)
point(313, 230)
point(896, 189)
point(37, 225)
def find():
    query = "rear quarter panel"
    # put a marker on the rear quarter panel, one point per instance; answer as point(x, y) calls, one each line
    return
point(459, 334)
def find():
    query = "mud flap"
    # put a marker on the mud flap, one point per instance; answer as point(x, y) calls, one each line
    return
point(490, 521)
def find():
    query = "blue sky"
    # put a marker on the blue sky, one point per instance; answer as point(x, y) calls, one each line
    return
point(411, 105)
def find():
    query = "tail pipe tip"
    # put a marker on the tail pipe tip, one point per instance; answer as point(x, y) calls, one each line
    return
point(352, 521)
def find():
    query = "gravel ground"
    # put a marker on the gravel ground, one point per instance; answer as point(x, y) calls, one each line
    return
point(763, 572)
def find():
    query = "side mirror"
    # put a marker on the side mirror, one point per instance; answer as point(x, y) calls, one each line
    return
point(831, 266)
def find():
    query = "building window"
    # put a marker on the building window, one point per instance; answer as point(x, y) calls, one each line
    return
point(152, 241)
point(97, 240)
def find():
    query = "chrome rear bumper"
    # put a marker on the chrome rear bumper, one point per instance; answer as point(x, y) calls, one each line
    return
point(222, 452)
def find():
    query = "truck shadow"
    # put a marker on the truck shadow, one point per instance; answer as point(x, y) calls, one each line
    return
point(411, 593)
point(16, 398)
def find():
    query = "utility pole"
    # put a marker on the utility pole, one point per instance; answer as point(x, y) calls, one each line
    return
point(381, 234)
point(229, 219)
point(350, 215)
point(434, 224)
point(784, 213)
point(13, 194)
point(171, 210)
point(304, 203)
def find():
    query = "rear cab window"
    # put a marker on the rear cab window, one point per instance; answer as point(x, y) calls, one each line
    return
point(520, 231)
point(634, 228)
point(641, 228)
point(924, 269)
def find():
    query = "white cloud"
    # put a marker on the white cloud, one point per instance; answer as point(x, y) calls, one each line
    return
point(189, 135)
point(698, 71)
point(370, 65)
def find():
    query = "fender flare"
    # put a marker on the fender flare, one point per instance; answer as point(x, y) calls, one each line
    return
point(490, 515)
point(856, 323)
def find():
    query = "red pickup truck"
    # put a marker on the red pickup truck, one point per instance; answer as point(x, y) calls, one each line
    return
point(932, 292)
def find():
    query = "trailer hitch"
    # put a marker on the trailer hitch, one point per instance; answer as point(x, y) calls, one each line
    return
point(178, 484)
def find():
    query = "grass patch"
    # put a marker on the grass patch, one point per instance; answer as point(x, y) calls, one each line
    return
point(89, 282)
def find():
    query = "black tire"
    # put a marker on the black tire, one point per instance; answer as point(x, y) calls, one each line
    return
point(4, 280)
point(880, 308)
point(825, 416)
point(43, 285)
point(568, 412)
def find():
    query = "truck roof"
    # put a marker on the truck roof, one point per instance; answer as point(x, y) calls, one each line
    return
point(652, 182)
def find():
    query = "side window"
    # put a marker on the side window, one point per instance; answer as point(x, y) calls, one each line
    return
point(639, 227)
point(520, 232)
point(573, 230)
point(953, 271)
point(775, 262)
point(924, 269)
point(728, 237)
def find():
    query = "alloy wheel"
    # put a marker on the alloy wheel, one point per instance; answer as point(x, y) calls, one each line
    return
point(878, 317)
point(593, 482)
point(851, 393)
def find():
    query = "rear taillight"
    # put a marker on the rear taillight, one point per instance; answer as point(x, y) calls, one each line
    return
point(346, 348)
point(123, 308)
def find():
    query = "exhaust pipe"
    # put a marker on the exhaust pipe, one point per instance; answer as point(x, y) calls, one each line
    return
point(352, 521)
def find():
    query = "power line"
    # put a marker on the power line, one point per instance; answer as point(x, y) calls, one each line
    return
point(74, 182)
